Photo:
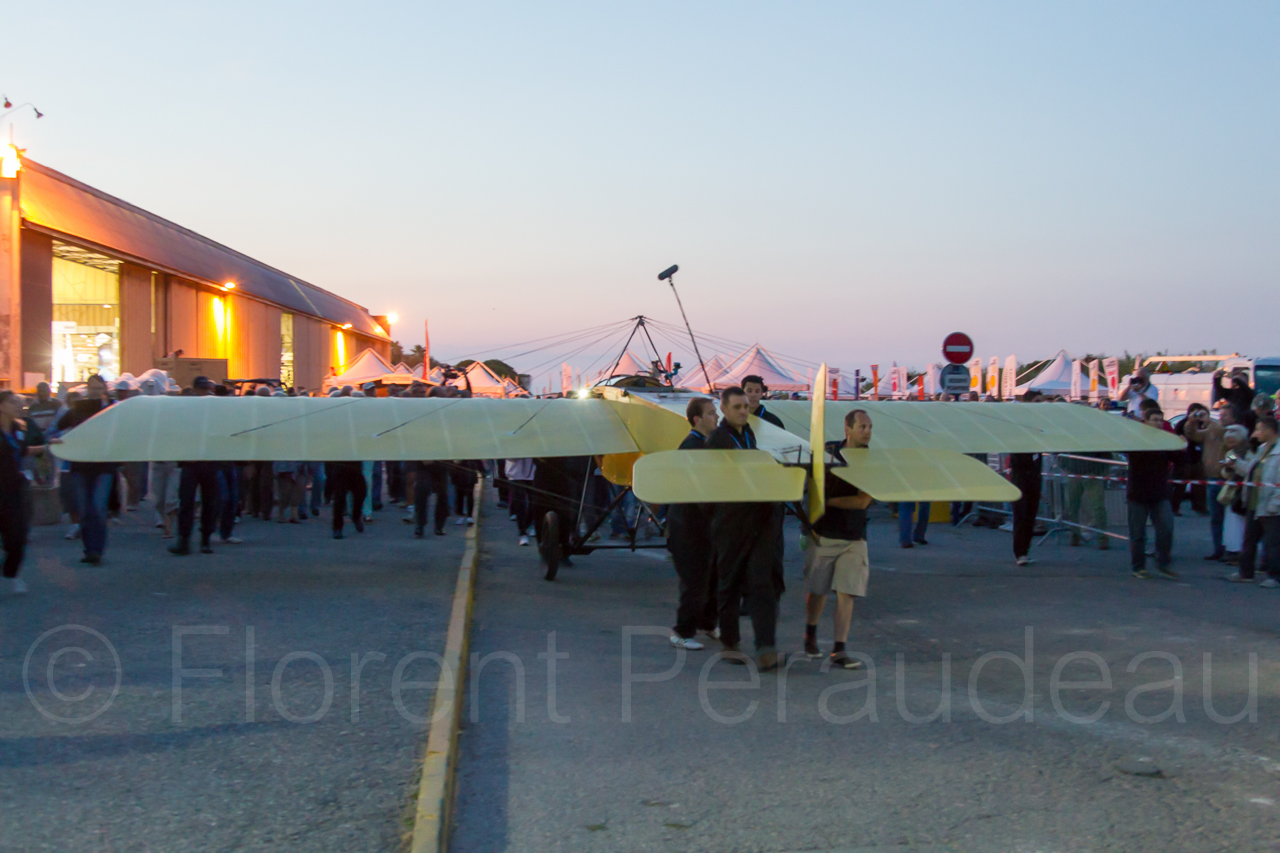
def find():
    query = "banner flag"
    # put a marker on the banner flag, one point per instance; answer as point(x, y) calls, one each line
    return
point(875, 382)
point(566, 379)
point(1112, 368)
point(1009, 381)
point(993, 376)
point(1093, 380)
point(975, 375)
point(1075, 379)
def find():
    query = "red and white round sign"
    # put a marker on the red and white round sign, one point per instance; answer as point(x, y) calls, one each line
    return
point(957, 348)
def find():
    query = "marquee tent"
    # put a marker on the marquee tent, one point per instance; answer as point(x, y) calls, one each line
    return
point(484, 382)
point(628, 365)
point(368, 366)
point(759, 361)
point(403, 368)
point(691, 374)
point(1054, 379)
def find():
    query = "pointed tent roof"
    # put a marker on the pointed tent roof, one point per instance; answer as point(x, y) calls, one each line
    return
point(759, 361)
point(403, 368)
point(484, 382)
point(368, 366)
point(628, 365)
point(1054, 379)
point(691, 375)
point(513, 390)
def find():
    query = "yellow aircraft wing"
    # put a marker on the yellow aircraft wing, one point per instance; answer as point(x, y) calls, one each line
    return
point(346, 428)
point(715, 476)
point(783, 444)
point(817, 488)
point(923, 475)
point(984, 427)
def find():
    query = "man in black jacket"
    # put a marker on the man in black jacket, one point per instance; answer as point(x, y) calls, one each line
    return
point(745, 538)
point(689, 539)
point(1148, 497)
point(91, 481)
point(202, 475)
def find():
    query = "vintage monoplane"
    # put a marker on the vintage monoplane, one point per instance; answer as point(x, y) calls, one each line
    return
point(917, 452)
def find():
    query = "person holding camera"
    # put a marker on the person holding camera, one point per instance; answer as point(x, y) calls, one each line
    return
point(1238, 393)
point(1262, 504)
point(1138, 390)
point(1201, 428)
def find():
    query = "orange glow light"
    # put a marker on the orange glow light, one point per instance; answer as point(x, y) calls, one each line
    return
point(346, 325)
point(10, 163)
point(231, 285)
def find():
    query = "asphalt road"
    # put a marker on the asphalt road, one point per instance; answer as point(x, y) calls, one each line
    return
point(811, 761)
point(226, 762)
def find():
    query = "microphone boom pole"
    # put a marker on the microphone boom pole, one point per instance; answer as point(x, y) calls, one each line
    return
point(669, 275)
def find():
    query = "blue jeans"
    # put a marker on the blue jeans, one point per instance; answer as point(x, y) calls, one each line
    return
point(620, 523)
point(1217, 515)
point(905, 533)
point(1161, 515)
point(228, 497)
point(92, 492)
point(376, 487)
point(317, 486)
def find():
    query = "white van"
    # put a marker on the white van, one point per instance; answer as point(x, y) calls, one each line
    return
point(1179, 390)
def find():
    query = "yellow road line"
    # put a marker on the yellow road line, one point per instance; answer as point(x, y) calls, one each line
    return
point(440, 764)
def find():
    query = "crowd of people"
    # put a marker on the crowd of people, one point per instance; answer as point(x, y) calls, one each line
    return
point(92, 495)
point(728, 557)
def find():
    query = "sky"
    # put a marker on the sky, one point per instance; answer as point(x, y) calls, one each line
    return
point(840, 181)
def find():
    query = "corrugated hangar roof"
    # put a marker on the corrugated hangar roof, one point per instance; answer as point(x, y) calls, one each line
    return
point(65, 207)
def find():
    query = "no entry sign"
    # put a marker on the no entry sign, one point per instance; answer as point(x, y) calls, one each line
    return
point(957, 348)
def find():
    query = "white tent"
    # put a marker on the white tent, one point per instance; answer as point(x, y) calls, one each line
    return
point(403, 368)
point(513, 390)
point(628, 365)
point(691, 374)
point(1054, 379)
point(368, 366)
point(760, 362)
point(483, 381)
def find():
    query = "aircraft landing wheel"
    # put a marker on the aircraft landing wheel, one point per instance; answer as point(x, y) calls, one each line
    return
point(550, 545)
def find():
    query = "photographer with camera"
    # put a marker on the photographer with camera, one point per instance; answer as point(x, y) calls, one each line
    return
point(1138, 389)
point(1237, 394)
point(1202, 429)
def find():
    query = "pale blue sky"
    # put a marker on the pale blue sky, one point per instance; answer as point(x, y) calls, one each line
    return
point(842, 181)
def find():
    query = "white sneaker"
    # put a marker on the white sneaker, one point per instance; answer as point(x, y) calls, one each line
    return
point(73, 533)
point(470, 521)
point(18, 586)
point(524, 540)
point(714, 633)
point(230, 540)
point(1025, 561)
point(691, 644)
point(513, 516)
point(461, 521)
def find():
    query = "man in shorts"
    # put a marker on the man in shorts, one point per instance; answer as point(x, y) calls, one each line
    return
point(836, 559)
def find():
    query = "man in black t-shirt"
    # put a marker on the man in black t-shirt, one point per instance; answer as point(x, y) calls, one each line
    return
point(689, 539)
point(836, 559)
